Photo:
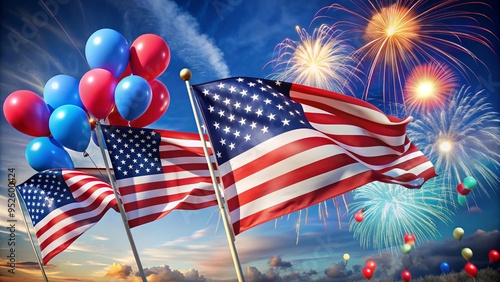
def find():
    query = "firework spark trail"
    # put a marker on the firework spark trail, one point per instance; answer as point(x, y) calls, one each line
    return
point(462, 139)
point(319, 60)
point(392, 211)
point(428, 86)
point(406, 33)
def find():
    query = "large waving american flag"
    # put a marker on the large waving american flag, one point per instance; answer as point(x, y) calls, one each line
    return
point(283, 147)
point(63, 204)
point(158, 171)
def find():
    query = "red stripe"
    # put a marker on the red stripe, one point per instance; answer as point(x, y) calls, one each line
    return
point(302, 201)
point(181, 206)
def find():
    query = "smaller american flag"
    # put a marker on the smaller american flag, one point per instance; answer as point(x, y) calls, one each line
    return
point(158, 171)
point(63, 204)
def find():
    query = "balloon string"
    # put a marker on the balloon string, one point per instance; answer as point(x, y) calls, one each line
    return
point(64, 30)
point(85, 154)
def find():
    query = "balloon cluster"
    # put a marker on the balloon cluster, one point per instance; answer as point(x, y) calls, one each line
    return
point(369, 269)
point(120, 86)
point(409, 240)
point(464, 188)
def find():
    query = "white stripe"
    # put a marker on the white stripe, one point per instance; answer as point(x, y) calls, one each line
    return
point(183, 160)
point(184, 142)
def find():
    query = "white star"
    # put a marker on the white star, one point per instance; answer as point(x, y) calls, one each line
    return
point(231, 117)
point(239, 79)
point(278, 83)
point(222, 141)
point(232, 89)
point(251, 84)
point(227, 101)
point(263, 89)
point(216, 97)
point(237, 105)
point(232, 146)
point(221, 113)
point(259, 112)
point(243, 92)
point(264, 129)
point(205, 91)
point(236, 133)
point(248, 108)
point(259, 81)
point(271, 116)
point(253, 125)
point(227, 129)
point(216, 125)
point(255, 97)
point(247, 137)
point(242, 121)
point(221, 85)
point(267, 101)
point(211, 109)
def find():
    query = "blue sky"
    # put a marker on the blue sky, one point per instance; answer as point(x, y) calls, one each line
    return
point(215, 39)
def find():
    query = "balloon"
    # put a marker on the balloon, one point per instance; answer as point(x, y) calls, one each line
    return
point(367, 272)
point(27, 112)
point(409, 239)
point(132, 97)
point(158, 107)
point(149, 56)
point(405, 275)
point(461, 200)
point(62, 90)
point(107, 49)
point(461, 190)
point(470, 182)
point(494, 256)
point(371, 264)
point(358, 216)
point(458, 233)
point(445, 267)
point(45, 153)
point(346, 256)
point(406, 248)
point(471, 269)
point(70, 126)
point(97, 91)
point(467, 253)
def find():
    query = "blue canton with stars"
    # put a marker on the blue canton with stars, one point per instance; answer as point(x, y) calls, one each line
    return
point(241, 113)
point(45, 192)
point(133, 151)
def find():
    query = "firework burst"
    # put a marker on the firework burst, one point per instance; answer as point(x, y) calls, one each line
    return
point(392, 211)
point(428, 85)
point(319, 60)
point(399, 35)
point(461, 139)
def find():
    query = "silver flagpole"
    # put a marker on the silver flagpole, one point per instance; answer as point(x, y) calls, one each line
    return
point(42, 268)
point(185, 75)
point(100, 137)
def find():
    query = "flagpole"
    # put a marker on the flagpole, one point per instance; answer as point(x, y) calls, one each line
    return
point(185, 75)
point(119, 203)
point(42, 268)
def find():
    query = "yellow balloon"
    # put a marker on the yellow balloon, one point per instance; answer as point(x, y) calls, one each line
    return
point(467, 253)
point(346, 256)
point(458, 233)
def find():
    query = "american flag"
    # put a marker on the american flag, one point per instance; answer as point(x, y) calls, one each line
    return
point(158, 171)
point(63, 204)
point(283, 147)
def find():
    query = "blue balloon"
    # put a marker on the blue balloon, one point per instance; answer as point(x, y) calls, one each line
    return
point(445, 267)
point(107, 49)
point(70, 126)
point(62, 90)
point(45, 153)
point(133, 96)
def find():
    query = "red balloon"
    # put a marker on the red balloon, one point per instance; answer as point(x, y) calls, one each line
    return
point(471, 269)
point(371, 264)
point(114, 118)
point(462, 190)
point(158, 107)
point(28, 113)
point(494, 256)
point(97, 91)
point(358, 216)
point(409, 239)
point(406, 275)
point(149, 56)
point(367, 272)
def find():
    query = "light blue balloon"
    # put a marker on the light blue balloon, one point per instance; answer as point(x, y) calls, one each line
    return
point(133, 96)
point(62, 90)
point(45, 153)
point(461, 199)
point(108, 49)
point(70, 126)
point(445, 267)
